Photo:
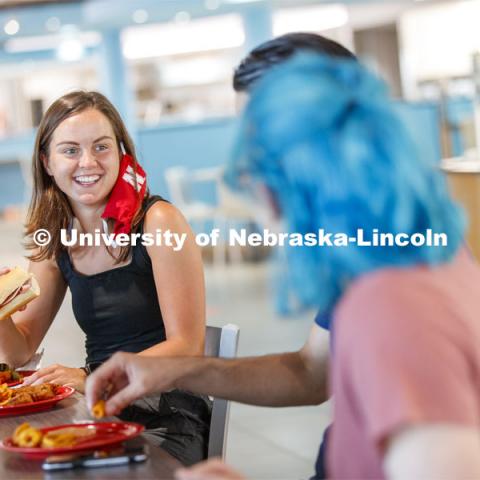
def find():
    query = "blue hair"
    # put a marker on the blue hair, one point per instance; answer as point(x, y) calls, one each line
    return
point(323, 135)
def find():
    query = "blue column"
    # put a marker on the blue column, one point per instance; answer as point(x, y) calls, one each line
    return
point(114, 77)
point(257, 23)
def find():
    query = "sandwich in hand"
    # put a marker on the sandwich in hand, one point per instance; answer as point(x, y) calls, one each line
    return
point(17, 288)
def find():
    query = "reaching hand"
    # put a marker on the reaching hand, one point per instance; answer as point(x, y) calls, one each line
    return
point(126, 377)
point(72, 377)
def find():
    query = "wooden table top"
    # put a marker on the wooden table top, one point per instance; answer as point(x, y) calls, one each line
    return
point(160, 465)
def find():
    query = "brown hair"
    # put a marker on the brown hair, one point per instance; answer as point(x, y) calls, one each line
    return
point(49, 207)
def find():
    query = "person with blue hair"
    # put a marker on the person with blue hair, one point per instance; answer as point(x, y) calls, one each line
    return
point(321, 138)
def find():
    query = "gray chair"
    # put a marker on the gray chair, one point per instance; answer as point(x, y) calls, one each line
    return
point(220, 342)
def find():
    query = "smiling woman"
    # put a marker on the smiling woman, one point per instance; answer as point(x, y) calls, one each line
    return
point(85, 169)
point(76, 156)
point(129, 297)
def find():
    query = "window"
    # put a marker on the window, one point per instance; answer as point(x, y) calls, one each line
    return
point(183, 71)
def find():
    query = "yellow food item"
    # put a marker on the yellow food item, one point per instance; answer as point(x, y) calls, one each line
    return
point(5, 394)
point(98, 410)
point(23, 395)
point(19, 430)
point(55, 440)
point(27, 436)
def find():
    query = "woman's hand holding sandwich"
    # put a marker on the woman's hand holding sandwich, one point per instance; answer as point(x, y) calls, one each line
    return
point(21, 332)
point(4, 271)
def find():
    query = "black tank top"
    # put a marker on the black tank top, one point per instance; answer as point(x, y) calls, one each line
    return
point(118, 309)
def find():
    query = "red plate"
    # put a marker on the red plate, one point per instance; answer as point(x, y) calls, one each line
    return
point(105, 434)
point(40, 406)
point(23, 374)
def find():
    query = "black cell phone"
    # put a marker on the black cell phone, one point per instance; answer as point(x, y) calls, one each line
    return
point(131, 452)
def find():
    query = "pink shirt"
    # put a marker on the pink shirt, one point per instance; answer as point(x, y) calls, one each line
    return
point(406, 351)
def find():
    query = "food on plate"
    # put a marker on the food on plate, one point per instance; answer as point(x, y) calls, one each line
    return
point(98, 410)
point(22, 395)
point(13, 295)
point(54, 440)
point(5, 394)
point(19, 430)
point(8, 374)
point(26, 436)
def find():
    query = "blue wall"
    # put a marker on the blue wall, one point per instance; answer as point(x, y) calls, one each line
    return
point(13, 189)
point(204, 144)
point(422, 121)
point(199, 145)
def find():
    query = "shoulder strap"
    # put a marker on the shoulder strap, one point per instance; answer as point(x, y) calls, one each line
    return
point(147, 204)
point(152, 199)
point(140, 254)
point(64, 265)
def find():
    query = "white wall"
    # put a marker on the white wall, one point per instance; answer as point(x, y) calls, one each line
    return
point(438, 41)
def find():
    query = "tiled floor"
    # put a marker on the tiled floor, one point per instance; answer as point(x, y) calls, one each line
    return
point(264, 443)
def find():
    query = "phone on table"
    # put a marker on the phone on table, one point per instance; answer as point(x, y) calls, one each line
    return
point(131, 452)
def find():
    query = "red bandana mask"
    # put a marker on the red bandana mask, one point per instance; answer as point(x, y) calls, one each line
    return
point(124, 199)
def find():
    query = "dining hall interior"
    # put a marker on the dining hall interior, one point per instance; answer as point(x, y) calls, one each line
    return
point(167, 67)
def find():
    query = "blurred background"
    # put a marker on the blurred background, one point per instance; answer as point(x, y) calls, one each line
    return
point(167, 65)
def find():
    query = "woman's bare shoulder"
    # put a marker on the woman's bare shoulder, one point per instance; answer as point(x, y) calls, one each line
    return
point(164, 215)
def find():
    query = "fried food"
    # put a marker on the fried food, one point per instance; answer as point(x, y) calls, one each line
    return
point(19, 430)
point(98, 410)
point(23, 395)
point(43, 392)
point(55, 440)
point(8, 374)
point(5, 376)
point(19, 398)
point(5, 394)
point(29, 437)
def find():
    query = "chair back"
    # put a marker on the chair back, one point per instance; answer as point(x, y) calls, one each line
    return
point(175, 178)
point(220, 342)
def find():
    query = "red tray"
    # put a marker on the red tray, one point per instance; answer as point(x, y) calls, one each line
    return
point(34, 407)
point(107, 434)
point(23, 374)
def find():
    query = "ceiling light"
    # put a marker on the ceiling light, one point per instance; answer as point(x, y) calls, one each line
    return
point(71, 47)
point(212, 4)
point(182, 17)
point(39, 43)
point(310, 19)
point(242, 1)
point(53, 24)
point(70, 50)
point(11, 27)
point(140, 16)
point(201, 35)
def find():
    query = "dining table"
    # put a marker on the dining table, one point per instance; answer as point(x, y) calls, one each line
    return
point(159, 464)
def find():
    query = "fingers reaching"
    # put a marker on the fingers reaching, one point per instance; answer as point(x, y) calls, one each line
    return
point(110, 376)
